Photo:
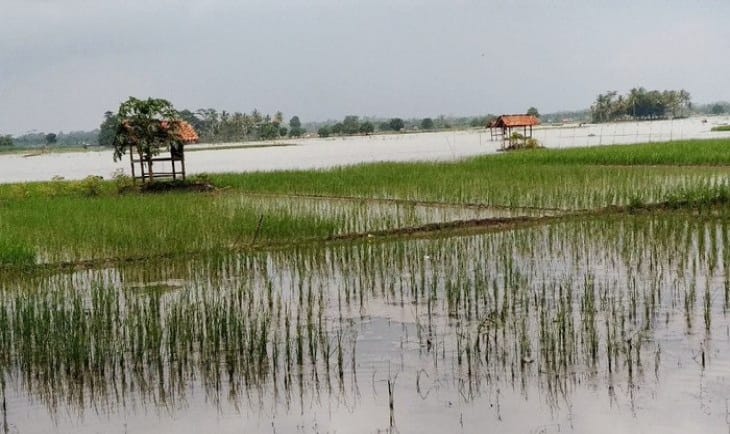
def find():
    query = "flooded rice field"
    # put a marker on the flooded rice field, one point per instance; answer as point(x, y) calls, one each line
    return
point(598, 325)
point(321, 153)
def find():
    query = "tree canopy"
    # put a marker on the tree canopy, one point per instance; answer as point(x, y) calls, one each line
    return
point(640, 104)
point(147, 125)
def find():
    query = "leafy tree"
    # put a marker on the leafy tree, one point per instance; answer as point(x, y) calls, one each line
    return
point(282, 131)
point(268, 131)
point(278, 118)
point(294, 122)
point(427, 124)
point(296, 131)
point(640, 103)
point(108, 129)
point(6, 141)
point(717, 109)
point(192, 118)
point(532, 111)
point(51, 138)
point(384, 126)
point(367, 127)
point(337, 128)
point(351, 125)
point(397, 124)
point(147, 126)
point(324, 131)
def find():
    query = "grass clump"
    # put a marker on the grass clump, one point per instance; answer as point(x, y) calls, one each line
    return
point(721, 128)
point(16, 254)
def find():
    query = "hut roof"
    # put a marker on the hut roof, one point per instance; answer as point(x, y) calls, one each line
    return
point(510, 121)
point(179, 130)
point(184, 131)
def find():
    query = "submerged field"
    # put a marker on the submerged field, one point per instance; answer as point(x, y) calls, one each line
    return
point(555, 291)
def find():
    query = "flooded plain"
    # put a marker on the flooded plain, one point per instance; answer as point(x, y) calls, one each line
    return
point(313, 153)
point(602, 325)
point(563, 310)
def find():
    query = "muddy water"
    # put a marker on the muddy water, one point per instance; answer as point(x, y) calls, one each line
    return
point(322, 153)
point(599, 326)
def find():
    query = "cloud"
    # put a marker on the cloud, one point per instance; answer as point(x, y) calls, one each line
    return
point(63, 63)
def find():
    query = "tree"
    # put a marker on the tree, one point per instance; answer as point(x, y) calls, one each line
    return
point(351, 125)
point(717, 109)
point(337, 128)
point(294, 122)
point(384, 126)
point(108, 129)
point(278, 118)
point(532, 111)
point(367, 127)
point(6, 141)
point(397, 124)
point(324, 131)
point(147, 126)
point(282, 131)
point(268, 131)
point(51, 138)
point(427, 124)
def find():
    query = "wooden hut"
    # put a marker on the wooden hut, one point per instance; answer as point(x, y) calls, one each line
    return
point(177, 134)
point(503, 127)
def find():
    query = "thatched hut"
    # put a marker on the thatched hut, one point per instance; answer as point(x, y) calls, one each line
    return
point(162, 142)
point(503, 127)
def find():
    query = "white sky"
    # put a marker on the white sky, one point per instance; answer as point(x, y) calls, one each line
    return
point(63, 63)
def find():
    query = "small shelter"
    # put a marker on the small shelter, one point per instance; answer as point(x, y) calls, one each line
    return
point(178, 133)
point(502, 127)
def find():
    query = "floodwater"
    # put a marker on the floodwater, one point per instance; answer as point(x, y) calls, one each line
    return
point(595, 326)
point(313, 153)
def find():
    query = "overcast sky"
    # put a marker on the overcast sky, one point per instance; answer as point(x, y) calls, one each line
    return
point(63, 63)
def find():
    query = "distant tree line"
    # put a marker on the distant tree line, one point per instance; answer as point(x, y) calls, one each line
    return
point(641, 104)
point(6, 141)
point(353, 125)
point(34, 140)
point(715, 108)
point(217, 127)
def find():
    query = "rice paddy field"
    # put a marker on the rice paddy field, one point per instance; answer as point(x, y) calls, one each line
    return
point(583, 290)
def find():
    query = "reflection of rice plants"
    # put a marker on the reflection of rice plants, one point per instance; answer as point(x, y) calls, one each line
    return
point(551, 306)
point(66, 346)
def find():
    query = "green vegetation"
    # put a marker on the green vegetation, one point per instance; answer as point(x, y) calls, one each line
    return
point(721, 128)
point(572, 178)
point(54, 221)
point(112, 298)
point(488, 310)
point(641, 104)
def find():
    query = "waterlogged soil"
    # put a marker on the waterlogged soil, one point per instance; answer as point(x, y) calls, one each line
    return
point(607, 325)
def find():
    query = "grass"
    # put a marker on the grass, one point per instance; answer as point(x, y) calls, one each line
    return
point(71, 221)
point(540, 305)
point(571, 178)
point(721, 128)
point(589, 300)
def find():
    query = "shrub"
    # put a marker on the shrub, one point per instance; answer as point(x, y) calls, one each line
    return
point(124, 183)
point(91, 185)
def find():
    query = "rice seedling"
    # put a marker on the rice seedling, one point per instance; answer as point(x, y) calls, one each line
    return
point(572, 307)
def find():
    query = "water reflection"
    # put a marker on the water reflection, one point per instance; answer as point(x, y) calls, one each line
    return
point(392, 333)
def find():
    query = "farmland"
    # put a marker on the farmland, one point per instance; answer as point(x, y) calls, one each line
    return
point(411, 296)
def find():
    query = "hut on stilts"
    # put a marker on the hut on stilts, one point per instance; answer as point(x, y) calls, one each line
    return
point(168, 149)
point(504, 127)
